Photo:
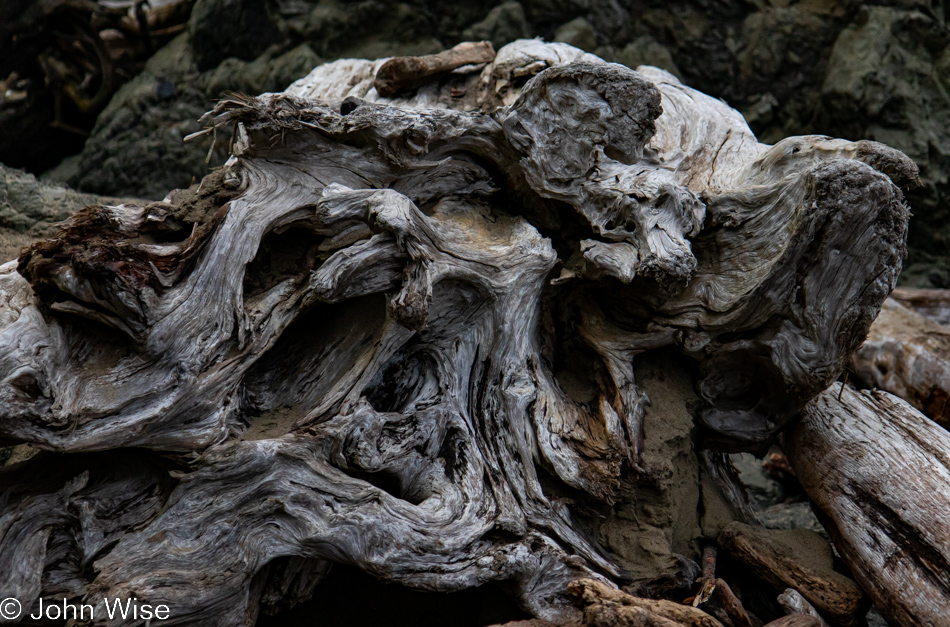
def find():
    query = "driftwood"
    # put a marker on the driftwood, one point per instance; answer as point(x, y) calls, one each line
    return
point(795, 604)
point(403, 338)
point(800, 559)
point(402, 73)
point(604, 606)
point(795, 620)
point(935, 304)
point(908, 355)
point(878, 473)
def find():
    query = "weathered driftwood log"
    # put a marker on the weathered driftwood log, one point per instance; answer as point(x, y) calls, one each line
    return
point(908, 355)
point(800, 559)
point(604, 606)
point(796, 620)
point(935, 304)
point(402, 73)
point(878, 474)
point(403, 338)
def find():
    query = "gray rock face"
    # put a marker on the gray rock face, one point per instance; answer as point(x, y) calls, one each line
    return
point(221, 29)
point(137, 145)
point(28, 207)
point(503, 24)
point(889, 78)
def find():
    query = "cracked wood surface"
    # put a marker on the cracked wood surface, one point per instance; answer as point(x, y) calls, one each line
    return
point(878, 474)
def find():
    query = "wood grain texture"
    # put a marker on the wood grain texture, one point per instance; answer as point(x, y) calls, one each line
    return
point(878, 472)
point(795, 620)
point(403, 73)
point(935, 304)
point(799, 559)
point(402, 337)
point(908, 355)
point(605, 607)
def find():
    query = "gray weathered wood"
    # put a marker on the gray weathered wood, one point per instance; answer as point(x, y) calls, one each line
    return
point(878, 473)
point(935, 304)
point(398, 336)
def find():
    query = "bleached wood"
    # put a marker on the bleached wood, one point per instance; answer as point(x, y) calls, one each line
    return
point(933, 303)
point(399, 289)
point(878, 472)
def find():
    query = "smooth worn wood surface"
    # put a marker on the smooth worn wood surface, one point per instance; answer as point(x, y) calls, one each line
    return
point(794, 603)
point(908, 355)
point(878, 472)
point(402, 337)
point(403, 73)
point(933, 303)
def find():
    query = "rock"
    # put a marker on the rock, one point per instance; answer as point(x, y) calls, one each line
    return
point(503, 24)
point(578, 33)
point(264, 74)
point(790, 516)
point(29, 206)
point(643, 50)
point(798, 559)
point(764, 491)
point(368, 30)
point(230, 28)
point(887, 80)
point(137, 145)
point(875, 619)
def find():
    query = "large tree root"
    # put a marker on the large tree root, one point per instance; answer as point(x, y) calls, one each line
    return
point(439, 310)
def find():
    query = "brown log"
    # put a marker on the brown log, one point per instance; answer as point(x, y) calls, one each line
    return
point(878, 474)
point(799, 559)
point(402, 73)
point(935, 304)
point(731, 604)
point(908, 355)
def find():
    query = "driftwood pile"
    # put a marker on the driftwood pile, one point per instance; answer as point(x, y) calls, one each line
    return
point(402, 332)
